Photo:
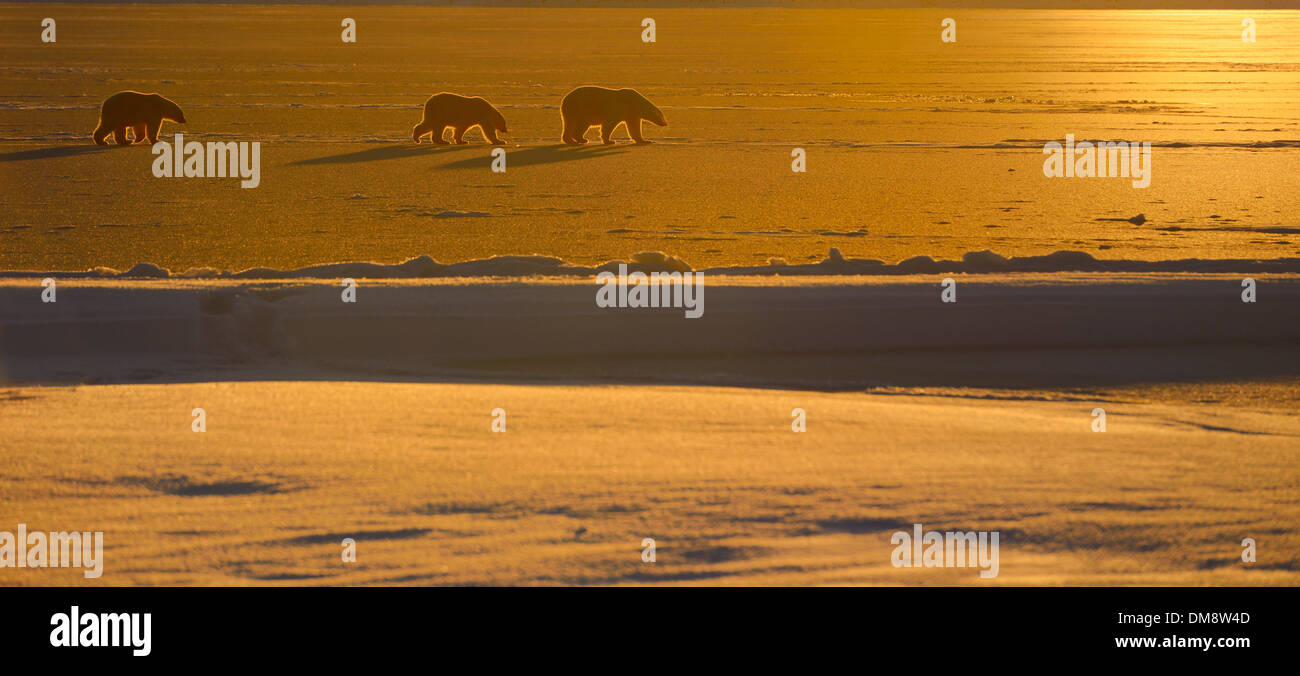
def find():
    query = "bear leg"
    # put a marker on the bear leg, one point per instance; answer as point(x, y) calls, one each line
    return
point(634, 130)
point(438, 136)
point(139, 132)
point(571, 135)
point(458, 135)
point(100, 134)
point(151, 130)
point(491, 137)
point(119, 135)
point(607, 130)
point(579, 135)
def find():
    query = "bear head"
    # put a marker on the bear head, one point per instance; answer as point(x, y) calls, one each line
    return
point(649, 111)
point(498, 120)
point(171, 111)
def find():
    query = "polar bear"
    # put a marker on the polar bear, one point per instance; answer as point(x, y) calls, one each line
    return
point(143, 113)
point(588, 106)
point(461, 113)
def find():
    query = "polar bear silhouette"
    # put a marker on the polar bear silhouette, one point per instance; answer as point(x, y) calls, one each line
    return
point(142, 113)
point(461, 113)
point(589, 106)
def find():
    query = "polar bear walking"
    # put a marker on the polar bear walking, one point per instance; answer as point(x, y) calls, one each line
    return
point(461, 113)
point(140, 112)
point(588, 106)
